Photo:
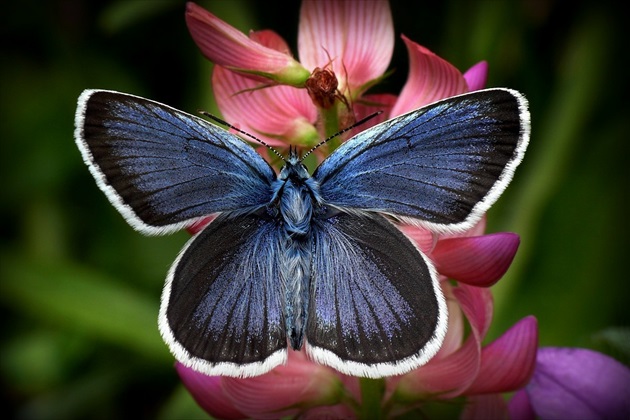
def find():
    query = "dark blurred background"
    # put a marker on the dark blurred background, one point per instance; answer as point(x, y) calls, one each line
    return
point(80, 290)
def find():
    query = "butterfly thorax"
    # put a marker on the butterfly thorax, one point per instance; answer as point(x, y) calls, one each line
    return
point(297, 196)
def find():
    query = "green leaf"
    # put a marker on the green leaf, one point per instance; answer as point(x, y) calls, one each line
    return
point(77, 298)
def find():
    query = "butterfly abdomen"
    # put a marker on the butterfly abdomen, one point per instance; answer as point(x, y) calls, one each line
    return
point(295, 270)
point(296, 209)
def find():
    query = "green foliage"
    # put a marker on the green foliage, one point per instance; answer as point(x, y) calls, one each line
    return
point(79, 289)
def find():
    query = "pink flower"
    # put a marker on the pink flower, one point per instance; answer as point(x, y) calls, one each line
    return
point(352, 40)
point(345, 47)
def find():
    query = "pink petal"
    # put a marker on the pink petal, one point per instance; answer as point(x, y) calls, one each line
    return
point(508, 363)
point(286, 390)
point(355, 37)
point(477, 230)
point(371, 103)
point(227, 46)
point(479, 261)
point(455, 331)
point(477, 304)
point(351, 385)
point(477, 76)
point(208, 393)
point(444, 378)
point(485, 407)
point(368, 105)
point(424, 239)
point(270, 39)
point(198, 225)
point(276, 114)
point(431, 78)
point(579, 383)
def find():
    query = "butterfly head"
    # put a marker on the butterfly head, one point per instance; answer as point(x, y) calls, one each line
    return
point(293, 168)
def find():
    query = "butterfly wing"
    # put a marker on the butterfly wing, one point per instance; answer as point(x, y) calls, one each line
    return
point(444, 164)
point(221, 310)
point(162, 168)
point(376, 305)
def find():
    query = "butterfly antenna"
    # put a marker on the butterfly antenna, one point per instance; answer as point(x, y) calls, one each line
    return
point(251, 136)
point(321, 143)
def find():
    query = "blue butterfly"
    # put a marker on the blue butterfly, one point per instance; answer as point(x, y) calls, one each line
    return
point(298, 260)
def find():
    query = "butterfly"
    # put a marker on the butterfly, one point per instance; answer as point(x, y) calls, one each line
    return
point(298, 260)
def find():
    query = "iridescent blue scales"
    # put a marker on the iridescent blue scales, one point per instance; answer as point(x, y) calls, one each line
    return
point(294, 260)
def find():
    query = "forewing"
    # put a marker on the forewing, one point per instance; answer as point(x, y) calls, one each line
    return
point(444, 164)
point(162, 168)
point(376, 308)
point(221, 310)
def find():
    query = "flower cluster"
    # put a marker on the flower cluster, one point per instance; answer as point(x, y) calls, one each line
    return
point(344, 49)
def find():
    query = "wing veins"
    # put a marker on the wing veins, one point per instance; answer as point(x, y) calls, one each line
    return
point(372, 309)
point(216, 140)
point(391, 138)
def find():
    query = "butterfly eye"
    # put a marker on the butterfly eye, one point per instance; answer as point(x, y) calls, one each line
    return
point(302, 171)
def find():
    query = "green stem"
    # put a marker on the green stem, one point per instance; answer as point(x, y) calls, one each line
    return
point(330, 119)
point(372, 391)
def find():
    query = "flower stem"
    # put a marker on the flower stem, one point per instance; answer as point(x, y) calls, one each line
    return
point(372, 391)
point(330, 119)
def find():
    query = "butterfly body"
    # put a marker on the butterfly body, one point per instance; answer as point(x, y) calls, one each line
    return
point(298, 260)
point(296, 202)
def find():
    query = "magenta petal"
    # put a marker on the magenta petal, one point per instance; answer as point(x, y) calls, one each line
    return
point(520, 407)
point(507, 364)
point(431, 78)
point(479, 261)
point(208, 393)
point(477, 76)
point(579, 383)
